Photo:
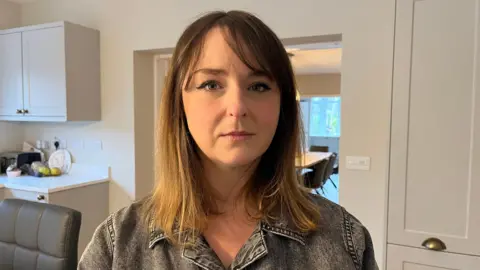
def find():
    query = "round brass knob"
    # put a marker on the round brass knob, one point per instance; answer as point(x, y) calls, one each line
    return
point(434, 244)
point(40, 198)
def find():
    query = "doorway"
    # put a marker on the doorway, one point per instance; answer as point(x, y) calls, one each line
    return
point(317, 68)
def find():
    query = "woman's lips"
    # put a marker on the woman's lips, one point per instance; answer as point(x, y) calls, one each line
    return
point(238, 135)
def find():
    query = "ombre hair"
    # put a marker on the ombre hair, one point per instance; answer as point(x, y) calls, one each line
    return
point(180, 201)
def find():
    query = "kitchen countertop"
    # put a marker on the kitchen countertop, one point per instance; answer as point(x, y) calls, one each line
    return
point(79, 175)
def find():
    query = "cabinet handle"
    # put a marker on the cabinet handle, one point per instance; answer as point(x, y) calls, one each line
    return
point(434, 244)
point(25, 111)
point(19, 111)
point(40, 198)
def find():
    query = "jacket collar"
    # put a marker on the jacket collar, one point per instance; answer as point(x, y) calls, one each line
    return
point(282, 227)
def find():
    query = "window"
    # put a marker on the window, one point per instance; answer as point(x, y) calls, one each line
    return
point(324, 117)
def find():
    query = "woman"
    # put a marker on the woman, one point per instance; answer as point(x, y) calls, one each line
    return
point(227, 195)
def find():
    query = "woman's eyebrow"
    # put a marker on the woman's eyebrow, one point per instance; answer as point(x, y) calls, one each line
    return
point(211, 71)
point(220, 71)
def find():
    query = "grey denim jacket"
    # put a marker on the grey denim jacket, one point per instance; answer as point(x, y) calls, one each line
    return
point(341, 242)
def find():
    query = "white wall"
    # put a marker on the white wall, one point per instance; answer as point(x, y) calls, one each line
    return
point(125, 26)
point(318, 84)
point(11, 134)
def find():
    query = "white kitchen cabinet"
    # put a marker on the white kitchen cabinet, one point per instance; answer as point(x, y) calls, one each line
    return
point(11, 88)
point(44, 76)
point(60, 74)
point(435, 137)
point(405, 258)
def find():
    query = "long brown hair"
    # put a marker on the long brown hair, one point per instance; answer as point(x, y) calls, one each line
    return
point(179, 199)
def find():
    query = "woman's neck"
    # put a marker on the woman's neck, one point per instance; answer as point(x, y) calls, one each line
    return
point(225, 184)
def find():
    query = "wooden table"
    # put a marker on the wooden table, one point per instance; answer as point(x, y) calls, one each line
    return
point(311, 158)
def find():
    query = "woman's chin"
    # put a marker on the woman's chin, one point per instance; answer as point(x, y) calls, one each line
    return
point(237, 161)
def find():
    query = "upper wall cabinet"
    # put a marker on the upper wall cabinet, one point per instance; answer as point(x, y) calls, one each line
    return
point(50, 72)
point(434, 200)
point(11, 91)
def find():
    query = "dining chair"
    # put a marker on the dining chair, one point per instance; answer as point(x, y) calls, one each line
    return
point(37, 235)
point(316, 178)
point(330, 168)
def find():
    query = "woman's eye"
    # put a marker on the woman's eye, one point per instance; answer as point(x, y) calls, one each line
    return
point(209, 85)
point(259, 87)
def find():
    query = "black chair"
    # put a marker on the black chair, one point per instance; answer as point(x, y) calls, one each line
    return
point(318, 148)
point(38, 236)
point(316, 178)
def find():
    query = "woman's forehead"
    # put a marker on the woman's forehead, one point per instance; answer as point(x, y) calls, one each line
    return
point(217, 52)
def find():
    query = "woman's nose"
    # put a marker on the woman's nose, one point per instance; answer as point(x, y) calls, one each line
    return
point(235, 102)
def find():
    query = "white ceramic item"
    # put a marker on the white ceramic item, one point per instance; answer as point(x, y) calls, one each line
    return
point(61, 159)
point(14, 173)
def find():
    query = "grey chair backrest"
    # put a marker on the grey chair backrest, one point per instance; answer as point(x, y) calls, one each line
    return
point(38, 236)
point(318, 148)
point(330, 165)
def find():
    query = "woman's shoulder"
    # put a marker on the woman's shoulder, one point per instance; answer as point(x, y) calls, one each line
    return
point(130, 216)
point(336, 220)
point(332, 213)
point(121, 229)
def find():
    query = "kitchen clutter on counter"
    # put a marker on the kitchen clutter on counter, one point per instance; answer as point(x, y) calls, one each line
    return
point(31, 161)
point(79, 175)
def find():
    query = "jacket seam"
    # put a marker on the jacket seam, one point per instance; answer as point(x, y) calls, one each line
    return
point(193, 261)
point(257, 255)
point(111, 233)
point(349, 239)
point(284, 232)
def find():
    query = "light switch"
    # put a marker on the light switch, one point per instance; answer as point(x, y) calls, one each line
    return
point(358, 163)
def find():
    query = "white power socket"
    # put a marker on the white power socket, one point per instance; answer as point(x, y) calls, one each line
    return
point(42, 144)
point(45, 144)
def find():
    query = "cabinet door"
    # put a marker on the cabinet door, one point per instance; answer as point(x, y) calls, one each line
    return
point(435, 136)
point(11, 92)
point(408, 258)
point(44, 72)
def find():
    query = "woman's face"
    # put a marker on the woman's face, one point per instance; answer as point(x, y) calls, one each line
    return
point(232, 112)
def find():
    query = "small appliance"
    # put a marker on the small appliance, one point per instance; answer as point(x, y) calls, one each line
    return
point(19, 158)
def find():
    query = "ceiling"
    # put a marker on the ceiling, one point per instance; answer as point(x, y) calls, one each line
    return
point(316, 58)
point(22, 1)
